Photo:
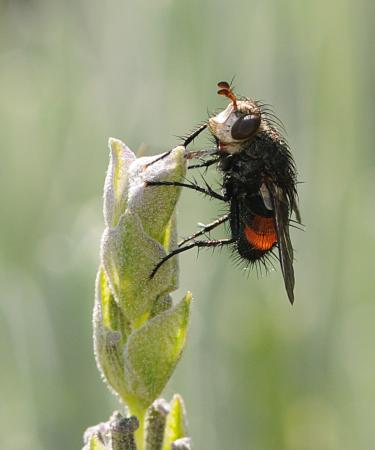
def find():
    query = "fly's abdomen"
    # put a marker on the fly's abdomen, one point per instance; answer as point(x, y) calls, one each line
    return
point(261, 233)
point(257, 237)
point(256, 228)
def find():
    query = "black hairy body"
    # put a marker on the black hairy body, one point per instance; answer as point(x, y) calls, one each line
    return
point(264, 160)
point(258, 184)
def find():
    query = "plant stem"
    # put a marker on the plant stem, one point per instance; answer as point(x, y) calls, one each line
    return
point(139, 434)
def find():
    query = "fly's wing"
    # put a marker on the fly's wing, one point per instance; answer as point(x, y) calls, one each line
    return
point(294, 206)
point(281, 210)
point(297, 213)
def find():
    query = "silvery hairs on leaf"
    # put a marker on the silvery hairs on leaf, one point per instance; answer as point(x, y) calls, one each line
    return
point(139, 334)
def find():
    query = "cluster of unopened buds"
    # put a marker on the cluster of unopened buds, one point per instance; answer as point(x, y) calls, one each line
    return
point(139, 333)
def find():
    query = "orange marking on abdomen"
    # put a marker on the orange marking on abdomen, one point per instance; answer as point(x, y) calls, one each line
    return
point(261, 234)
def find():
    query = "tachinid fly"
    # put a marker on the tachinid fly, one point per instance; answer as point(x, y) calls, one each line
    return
point(259, 184)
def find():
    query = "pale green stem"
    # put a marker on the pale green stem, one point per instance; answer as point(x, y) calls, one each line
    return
point(139, 434)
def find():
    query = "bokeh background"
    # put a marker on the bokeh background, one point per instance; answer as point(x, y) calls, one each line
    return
point(257, 373)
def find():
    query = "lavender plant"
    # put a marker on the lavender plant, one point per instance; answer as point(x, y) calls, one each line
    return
point(139, 334)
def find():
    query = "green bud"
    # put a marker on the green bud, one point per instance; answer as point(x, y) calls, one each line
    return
point(176, 426)
point(129, 255)
point(142, 228)
point(115, 187)
point(155, 205)
point(139, 334)
point(153, 351)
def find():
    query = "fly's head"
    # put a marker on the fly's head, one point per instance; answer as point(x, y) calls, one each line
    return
point(239, 122)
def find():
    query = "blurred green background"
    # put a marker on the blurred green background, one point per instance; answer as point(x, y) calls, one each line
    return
point(257, 373)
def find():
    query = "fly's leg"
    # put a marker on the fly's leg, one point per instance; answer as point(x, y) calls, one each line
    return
point(189, 139)
point(186, 142)
point(198, 244)
point(204, 164)
point(205, 229)
point(208, 191)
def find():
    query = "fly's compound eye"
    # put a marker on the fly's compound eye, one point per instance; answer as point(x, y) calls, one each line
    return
point(245, 127)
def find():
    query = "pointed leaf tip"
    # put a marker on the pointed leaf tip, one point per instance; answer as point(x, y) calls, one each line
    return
point(115, 186)
point(176, 427)
point(153, 351)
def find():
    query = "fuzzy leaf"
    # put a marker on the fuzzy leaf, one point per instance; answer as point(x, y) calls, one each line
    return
point(155, 204)
point(153, 351)
point(115, 186)
point(110, 335)
point(129, 256)
point(176, 427)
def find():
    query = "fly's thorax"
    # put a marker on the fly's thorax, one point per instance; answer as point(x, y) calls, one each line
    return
point(235, 125)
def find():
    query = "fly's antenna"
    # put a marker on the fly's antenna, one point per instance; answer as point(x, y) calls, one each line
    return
point(226, 90)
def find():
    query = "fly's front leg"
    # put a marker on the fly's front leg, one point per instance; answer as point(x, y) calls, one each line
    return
point(186, 142)
point(189, 139)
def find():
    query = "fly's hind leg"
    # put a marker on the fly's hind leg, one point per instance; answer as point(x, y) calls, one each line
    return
point(198, 244)
point(205, 229)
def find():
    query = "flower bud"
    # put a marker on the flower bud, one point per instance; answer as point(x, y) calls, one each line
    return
point(176, 426)
point(139, 334)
